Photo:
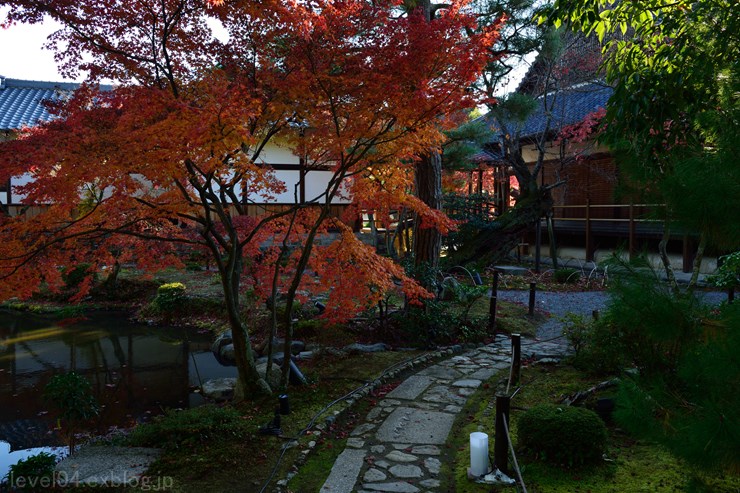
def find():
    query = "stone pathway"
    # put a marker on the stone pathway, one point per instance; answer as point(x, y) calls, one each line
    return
point(397, 447)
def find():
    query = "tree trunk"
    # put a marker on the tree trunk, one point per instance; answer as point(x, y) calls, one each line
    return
point(249, 379)
point(663, 251)
point(112, 279)
point(428, 240)
point(553, 244)
point(697, 261)
point(295, 283)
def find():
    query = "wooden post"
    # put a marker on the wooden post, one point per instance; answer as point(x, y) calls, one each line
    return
point(538, 244)
point(501, 440)
point(589, 240)
point(687, 254)
point(595, 314)
point(730, 295)
point(532, 291)
point(631, 233)
point(516, 358)
point(494, 299)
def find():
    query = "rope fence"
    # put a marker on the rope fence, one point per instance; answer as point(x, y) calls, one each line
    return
point(513, 455)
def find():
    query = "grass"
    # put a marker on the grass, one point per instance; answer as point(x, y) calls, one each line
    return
point(633, 465)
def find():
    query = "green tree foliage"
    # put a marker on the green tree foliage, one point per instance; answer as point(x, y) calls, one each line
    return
point(463, 142)
point(560, 61)
point(683, 393)
point(674, 115)
point(695, 408)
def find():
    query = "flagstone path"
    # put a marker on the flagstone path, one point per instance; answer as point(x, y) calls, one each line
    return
point(397, 447)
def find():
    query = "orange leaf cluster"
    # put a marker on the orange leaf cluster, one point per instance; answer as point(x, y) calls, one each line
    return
point(166, 161)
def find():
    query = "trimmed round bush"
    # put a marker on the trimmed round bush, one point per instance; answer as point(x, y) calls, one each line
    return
point(562, 435)
point(170, 296)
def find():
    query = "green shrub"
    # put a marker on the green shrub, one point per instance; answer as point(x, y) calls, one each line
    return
point(569, 436)
point(190, 427)
point(33, 473)
point(598, 345)
point(73, 276)
point(728, 274)
point(578, 331)
point(692, 410)
point(440, 322)
point(651, 324)
point(569, 276)
point(304, 329)
point(71, 394)
point(170, 296)
point(429, 325)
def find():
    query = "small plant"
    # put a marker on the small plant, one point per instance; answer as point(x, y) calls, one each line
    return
point(563, 435)
point(70, 311)
point(170, 296)
point(33, 473)
point(728, 274)
point(567, 276)
point(578, 331)
point(466, 296)
point(72, 396)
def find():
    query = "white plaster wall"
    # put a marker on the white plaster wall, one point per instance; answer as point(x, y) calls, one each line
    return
point(530, 152)
point(316, 182)
point(278, 154)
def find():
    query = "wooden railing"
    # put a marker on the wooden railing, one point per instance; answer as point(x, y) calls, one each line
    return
point(632, 216)
point(591, 215)
point(481, 206)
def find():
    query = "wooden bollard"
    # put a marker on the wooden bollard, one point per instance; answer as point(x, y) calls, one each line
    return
point(501, 440)
point(516, 358)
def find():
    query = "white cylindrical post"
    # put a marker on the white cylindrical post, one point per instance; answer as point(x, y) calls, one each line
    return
point(478, 453)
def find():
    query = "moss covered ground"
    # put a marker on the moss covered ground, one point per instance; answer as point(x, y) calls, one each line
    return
point(630, 465)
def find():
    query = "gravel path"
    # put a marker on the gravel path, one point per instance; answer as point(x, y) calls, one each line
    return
point(558, 304)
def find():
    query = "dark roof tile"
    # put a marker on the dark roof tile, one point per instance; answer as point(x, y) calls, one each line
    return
point(21, 101)
point(569, 106)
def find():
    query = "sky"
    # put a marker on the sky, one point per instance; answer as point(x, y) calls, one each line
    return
point(21, 55)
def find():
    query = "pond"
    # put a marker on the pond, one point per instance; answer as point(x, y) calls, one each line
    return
point(136, 371)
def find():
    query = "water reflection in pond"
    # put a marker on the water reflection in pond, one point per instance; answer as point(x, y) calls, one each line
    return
point(135, 370)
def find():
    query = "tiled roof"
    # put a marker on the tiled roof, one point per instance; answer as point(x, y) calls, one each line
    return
point(570, 106)
point(21, 101)
point(486, 155)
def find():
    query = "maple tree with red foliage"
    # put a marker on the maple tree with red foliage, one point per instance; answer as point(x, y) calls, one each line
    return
point(165, 160)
